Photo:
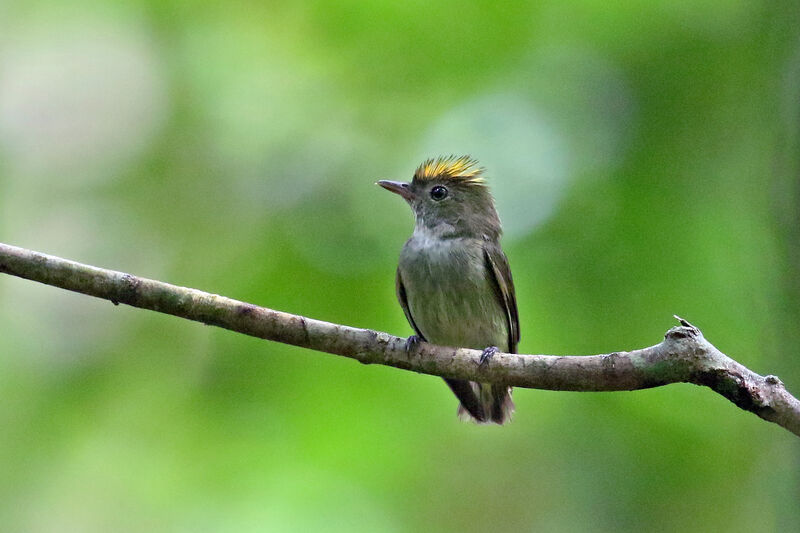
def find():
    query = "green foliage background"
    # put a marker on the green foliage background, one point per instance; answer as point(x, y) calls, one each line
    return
point(645, 160)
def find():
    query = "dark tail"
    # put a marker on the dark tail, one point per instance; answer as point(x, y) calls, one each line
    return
point(502, 406)
point(482, 403)
point(470, 404)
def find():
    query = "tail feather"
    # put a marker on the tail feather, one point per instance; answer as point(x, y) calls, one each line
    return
point(495, 401)
point(502, 406)
point(471, 404)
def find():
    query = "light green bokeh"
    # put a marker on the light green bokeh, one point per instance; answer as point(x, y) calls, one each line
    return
point(233, 147)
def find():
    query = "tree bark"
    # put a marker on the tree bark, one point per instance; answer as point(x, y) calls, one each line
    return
point(683, 356)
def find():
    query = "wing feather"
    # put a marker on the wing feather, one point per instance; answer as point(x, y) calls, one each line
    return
point(497, 265)
point(403, 299)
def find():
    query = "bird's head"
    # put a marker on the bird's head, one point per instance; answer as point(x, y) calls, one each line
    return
point(450, 198)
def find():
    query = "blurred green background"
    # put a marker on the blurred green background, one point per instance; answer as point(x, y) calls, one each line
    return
point(645, 156)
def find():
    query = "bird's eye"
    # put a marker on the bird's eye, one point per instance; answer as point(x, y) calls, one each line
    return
point(439, 193)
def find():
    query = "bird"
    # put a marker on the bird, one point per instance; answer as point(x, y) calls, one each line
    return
point(453, 280)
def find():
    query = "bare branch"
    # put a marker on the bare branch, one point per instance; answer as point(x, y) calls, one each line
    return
point(683, 356)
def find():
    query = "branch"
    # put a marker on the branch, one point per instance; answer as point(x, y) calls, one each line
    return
point(684, 356)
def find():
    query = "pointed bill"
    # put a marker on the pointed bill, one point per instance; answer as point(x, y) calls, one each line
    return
point(398, 187)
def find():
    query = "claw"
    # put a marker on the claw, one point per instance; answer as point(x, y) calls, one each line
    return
point(487, 355)
point(412, 343)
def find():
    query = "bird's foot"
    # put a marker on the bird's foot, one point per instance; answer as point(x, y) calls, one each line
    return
point(412, 343)
point(487, 355)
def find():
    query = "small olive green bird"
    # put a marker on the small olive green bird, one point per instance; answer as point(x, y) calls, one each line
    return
point(453, 279)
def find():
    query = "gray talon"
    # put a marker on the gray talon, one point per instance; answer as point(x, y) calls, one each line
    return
point(487, 355)
point(412, 343)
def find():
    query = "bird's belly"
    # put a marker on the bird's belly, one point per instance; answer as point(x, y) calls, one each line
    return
point(441, 322)
point(454, 304)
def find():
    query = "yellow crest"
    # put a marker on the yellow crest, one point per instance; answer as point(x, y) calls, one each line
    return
point(462, 168)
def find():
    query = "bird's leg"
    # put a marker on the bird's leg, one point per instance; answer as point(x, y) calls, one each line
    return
point(412, 342)
point(487, 355)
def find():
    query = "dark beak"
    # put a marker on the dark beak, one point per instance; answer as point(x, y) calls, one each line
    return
point(398, 187)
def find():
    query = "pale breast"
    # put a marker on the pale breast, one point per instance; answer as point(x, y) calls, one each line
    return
point(451, 295)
